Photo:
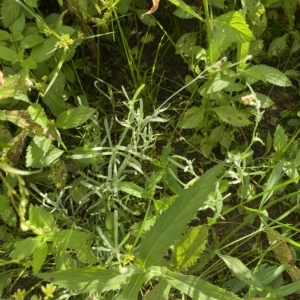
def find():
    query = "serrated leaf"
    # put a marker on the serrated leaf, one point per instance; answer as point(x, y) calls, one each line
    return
point(197, 288)
point(218, 82)
point(272, 75)
point(185, 44)
point(232, 116)
point(4, 35)
point(31, 40)
point(24, 248)
point(8, 54)
point(277, 45)
point(187, 251)
point(45, 50)
point(280, 139)
point(234, 25)
point(133, 189)
point(123, 6)
point(41, 219)
point(192, 117)
point(39, 256)
point(219, 43)
point(38, 114)
point(37, 150)
point(48, 158)
point(74, 117)
point(10, 11)
point(173, 221)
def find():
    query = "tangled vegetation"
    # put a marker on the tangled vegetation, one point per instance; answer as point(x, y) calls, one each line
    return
point(149, 150)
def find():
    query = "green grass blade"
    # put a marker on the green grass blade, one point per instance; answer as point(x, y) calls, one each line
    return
point(173, 221)
point(197, 288)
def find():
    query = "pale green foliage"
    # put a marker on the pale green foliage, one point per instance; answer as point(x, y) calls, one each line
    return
point(189, 248)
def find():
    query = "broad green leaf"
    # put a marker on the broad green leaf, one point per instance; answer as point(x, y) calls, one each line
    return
point(190, 87)
point(8, 54)
point(85, 254)
point(242, 52)
point(42, 219)
point(10, 11)
point(52, 155)
point(232, 116)
point(172, 222)
point(218, 3)
point(31, 3)
point(197, 288)
point(280, 139)
point(54, 100)
point(39, 256)
point(187, 8)
point(242, 272)
point(192, 118)
point(209, 142)
point(69, 238)
point(44, 51)
point(133, 189)
point(24, 248)
point(218, 82)
point(17, 27)
point(123, 6)
point(253, 75)
point(256, 16)
point(160, 291)
point(4, 35)
point(272, 75)
point(187, 251)
point(234, 25)
point(31, 40)
point(28, 63)
point(6, 212)
point(277, 45)
point(219, 43)
point(38, 114)
point(74, 117)
point(37, 150)
point(131, 289)
point(186, 43)
point(91, 279)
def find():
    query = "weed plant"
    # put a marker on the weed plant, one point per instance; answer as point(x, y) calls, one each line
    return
point(98, 201)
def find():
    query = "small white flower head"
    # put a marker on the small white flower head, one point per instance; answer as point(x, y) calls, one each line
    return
point(249, 100)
